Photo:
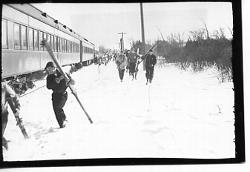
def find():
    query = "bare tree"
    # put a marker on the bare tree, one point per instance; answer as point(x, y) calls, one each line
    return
point(208, 37)
point(231, 31)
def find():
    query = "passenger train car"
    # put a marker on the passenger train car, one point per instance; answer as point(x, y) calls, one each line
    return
point(24, 27)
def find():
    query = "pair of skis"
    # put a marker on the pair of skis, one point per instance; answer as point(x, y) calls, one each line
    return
point(137, 52)
point(47, 46)
point(18, 119)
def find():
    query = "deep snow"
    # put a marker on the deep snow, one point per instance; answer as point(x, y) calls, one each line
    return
point(180, 115)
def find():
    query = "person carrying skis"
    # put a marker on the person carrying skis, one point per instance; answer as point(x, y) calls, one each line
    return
point(58, 84)
point(121, 62)
point(8, 96)
point(150, 61)
point(132, 60)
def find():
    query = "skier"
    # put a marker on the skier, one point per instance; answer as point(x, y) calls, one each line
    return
point(8, 95)
point(150, 61)
point(121, 62)
point(132, 60)
point(126, 52)
point(58, 84)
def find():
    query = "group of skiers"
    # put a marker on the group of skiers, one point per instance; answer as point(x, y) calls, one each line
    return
point(130, 61)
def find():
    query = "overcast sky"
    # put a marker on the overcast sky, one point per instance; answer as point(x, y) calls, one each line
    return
point(101, 22)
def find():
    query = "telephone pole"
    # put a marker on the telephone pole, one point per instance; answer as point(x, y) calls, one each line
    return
point(122, 42)
point(142, 34)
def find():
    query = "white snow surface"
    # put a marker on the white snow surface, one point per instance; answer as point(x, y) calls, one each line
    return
point(180, 115)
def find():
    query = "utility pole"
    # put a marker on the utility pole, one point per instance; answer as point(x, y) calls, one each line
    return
point(122, 42)
point(142, 34)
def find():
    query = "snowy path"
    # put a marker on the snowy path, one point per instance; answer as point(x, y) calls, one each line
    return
point(188, 116)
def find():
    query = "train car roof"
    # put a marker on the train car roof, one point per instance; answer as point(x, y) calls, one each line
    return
point(34, 12)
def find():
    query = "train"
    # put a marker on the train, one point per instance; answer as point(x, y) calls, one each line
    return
point(23, 57)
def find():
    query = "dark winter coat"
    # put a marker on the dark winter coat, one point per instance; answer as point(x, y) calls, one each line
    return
point(58, 88)
point(121, 61)
point(150, 60)
point(132, 57)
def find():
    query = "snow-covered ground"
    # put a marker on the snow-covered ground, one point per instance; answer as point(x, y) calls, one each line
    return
point(180, 115)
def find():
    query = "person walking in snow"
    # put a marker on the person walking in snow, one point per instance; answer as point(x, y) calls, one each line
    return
point(121, 62)
point(58, 84)
point(132, 60)
point(150, 61)
point(8, 96)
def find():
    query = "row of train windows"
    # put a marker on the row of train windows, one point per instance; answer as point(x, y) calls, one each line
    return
point(88, 50)
point(27, 38)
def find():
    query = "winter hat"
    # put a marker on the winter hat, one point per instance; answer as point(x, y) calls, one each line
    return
point(150, 50)
point(49, 64)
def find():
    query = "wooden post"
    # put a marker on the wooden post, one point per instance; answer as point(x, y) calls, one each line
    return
point(142, 34)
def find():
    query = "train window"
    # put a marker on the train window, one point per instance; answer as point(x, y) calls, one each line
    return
point(69, 42)
point(58, 44)
point(24, 37)
point(62, 44)
point(31, 39)
point(65, 46)
point(71, 49)
point(68, 45)
point(36, 40)
point(17, 42)
point(77, 48)
point(40, 40)
point(45, 36)
point(53, 43)
point(4, 34)
point(48, 39)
